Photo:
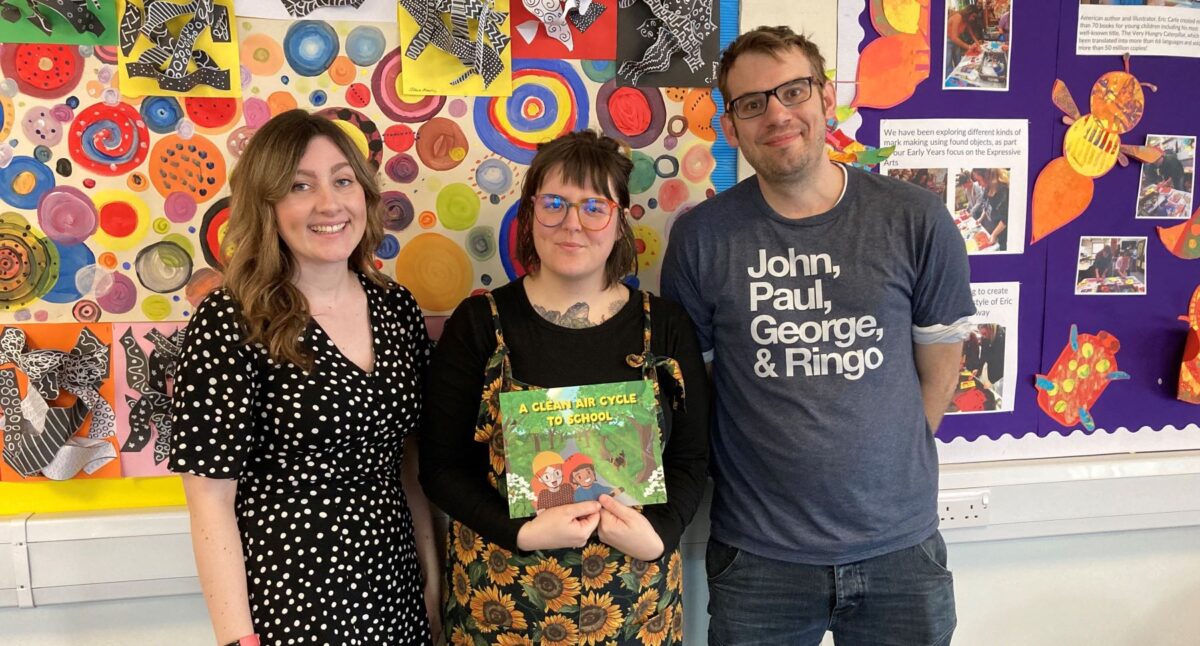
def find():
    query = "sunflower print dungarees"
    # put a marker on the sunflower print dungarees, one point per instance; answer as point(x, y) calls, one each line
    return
point(593, 596)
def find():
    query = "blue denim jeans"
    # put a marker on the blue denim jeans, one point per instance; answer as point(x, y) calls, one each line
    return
point(903, 598)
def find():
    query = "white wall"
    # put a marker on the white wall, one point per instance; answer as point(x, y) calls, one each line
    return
point(1130, 588)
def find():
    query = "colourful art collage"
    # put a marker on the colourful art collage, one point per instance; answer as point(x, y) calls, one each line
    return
point(113, 208)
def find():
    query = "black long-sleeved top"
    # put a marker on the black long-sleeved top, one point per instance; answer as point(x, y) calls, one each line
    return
point(454, 466)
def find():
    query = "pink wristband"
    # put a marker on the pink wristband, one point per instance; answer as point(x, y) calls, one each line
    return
point(248, 640)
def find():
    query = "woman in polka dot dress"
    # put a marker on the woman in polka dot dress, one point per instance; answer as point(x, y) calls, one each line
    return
point(294, 403)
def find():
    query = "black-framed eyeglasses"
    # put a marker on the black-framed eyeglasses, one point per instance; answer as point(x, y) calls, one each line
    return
point(794, 92)
point(594, 212)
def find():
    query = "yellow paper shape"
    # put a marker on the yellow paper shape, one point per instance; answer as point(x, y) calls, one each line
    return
point(903, 15)
point(89, 495)
point(1090, 147)
point(431, 73)
point(224, 55)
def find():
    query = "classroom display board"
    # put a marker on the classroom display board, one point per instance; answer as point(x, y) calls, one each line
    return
point(1091, 290)
point(114, 164)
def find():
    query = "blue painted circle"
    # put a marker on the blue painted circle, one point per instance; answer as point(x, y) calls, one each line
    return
point(43, 181)
point(42, 154)
point(318, 98)
point(493, 135)
point(527, 93)
point(508, 231)
point(71, 259)
point(161, 113)
point(389, 247)
point(599, 71)
point(310, 47)
point(365, 45)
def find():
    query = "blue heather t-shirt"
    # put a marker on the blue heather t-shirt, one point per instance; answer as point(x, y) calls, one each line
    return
point(821, 450)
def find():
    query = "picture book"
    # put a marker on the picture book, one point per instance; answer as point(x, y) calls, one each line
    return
point(565, 445)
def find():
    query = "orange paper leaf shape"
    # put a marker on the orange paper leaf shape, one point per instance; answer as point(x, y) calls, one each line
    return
point(1189, 369)
point(1059, 196)
point(1183, 239)
point(1061, 96)
point(889, 70)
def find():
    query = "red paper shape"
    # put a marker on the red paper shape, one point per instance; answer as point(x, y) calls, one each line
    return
point(598, 43)
point(1183, 239)
point(1078, 377)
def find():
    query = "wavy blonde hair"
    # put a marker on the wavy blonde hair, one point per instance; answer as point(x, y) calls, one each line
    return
point(259, 267)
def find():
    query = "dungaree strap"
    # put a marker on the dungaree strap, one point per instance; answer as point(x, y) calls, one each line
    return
point(649, 362)
point(501, 347)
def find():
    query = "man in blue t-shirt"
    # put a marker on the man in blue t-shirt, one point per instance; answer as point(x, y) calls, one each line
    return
point(833, 303)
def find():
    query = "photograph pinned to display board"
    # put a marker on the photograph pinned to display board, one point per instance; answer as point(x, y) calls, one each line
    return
point(933, 180)
point(178, 49)
point(57, 395)
point(668, 43)
point(64, 22)
point(986, 378)
point(1111, 266)
point(1167, 185)
point(376, 11)
point(470, 57)
point(144, 361)
point(985, 164)
point(565, 445)
point(977, 44)
point(1138, 27)
point(564, 29)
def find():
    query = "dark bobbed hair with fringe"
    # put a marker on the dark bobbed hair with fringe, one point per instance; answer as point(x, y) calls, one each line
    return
point(585, 159)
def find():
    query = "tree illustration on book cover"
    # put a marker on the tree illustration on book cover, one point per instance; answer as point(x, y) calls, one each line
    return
point(565, 445)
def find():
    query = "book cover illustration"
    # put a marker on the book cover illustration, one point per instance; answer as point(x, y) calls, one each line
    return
point(565, 445)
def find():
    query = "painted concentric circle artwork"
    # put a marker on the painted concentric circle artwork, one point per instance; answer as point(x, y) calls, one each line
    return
point(212, 232)
point(29, 262)
point(436, 270)
point(632, 114)
point(45, 71)
point(124, 219)
point(67, 215)
point(163, 267)
point(548, 100)
point(385, 85)
point(310, 47)
point(361, 130)
point(161, 113)
point(109, 139)
point(365, 45)
point(195, 166)
point(24, 181)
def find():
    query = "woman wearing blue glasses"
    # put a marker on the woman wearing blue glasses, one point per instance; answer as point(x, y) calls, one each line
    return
point(581, 572)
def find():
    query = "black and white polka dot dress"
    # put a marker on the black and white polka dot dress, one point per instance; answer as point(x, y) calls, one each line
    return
point(326, 530)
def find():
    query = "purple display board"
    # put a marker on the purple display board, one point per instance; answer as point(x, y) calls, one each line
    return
point(1148, 328)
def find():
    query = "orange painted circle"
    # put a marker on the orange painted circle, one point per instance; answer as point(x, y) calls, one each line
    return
point(436, 270)
point(261, 55)
point(108, 260)
point(137, 182)
point(281, 102)
point(342, 71)
point(194, 166)
point(427, 219)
